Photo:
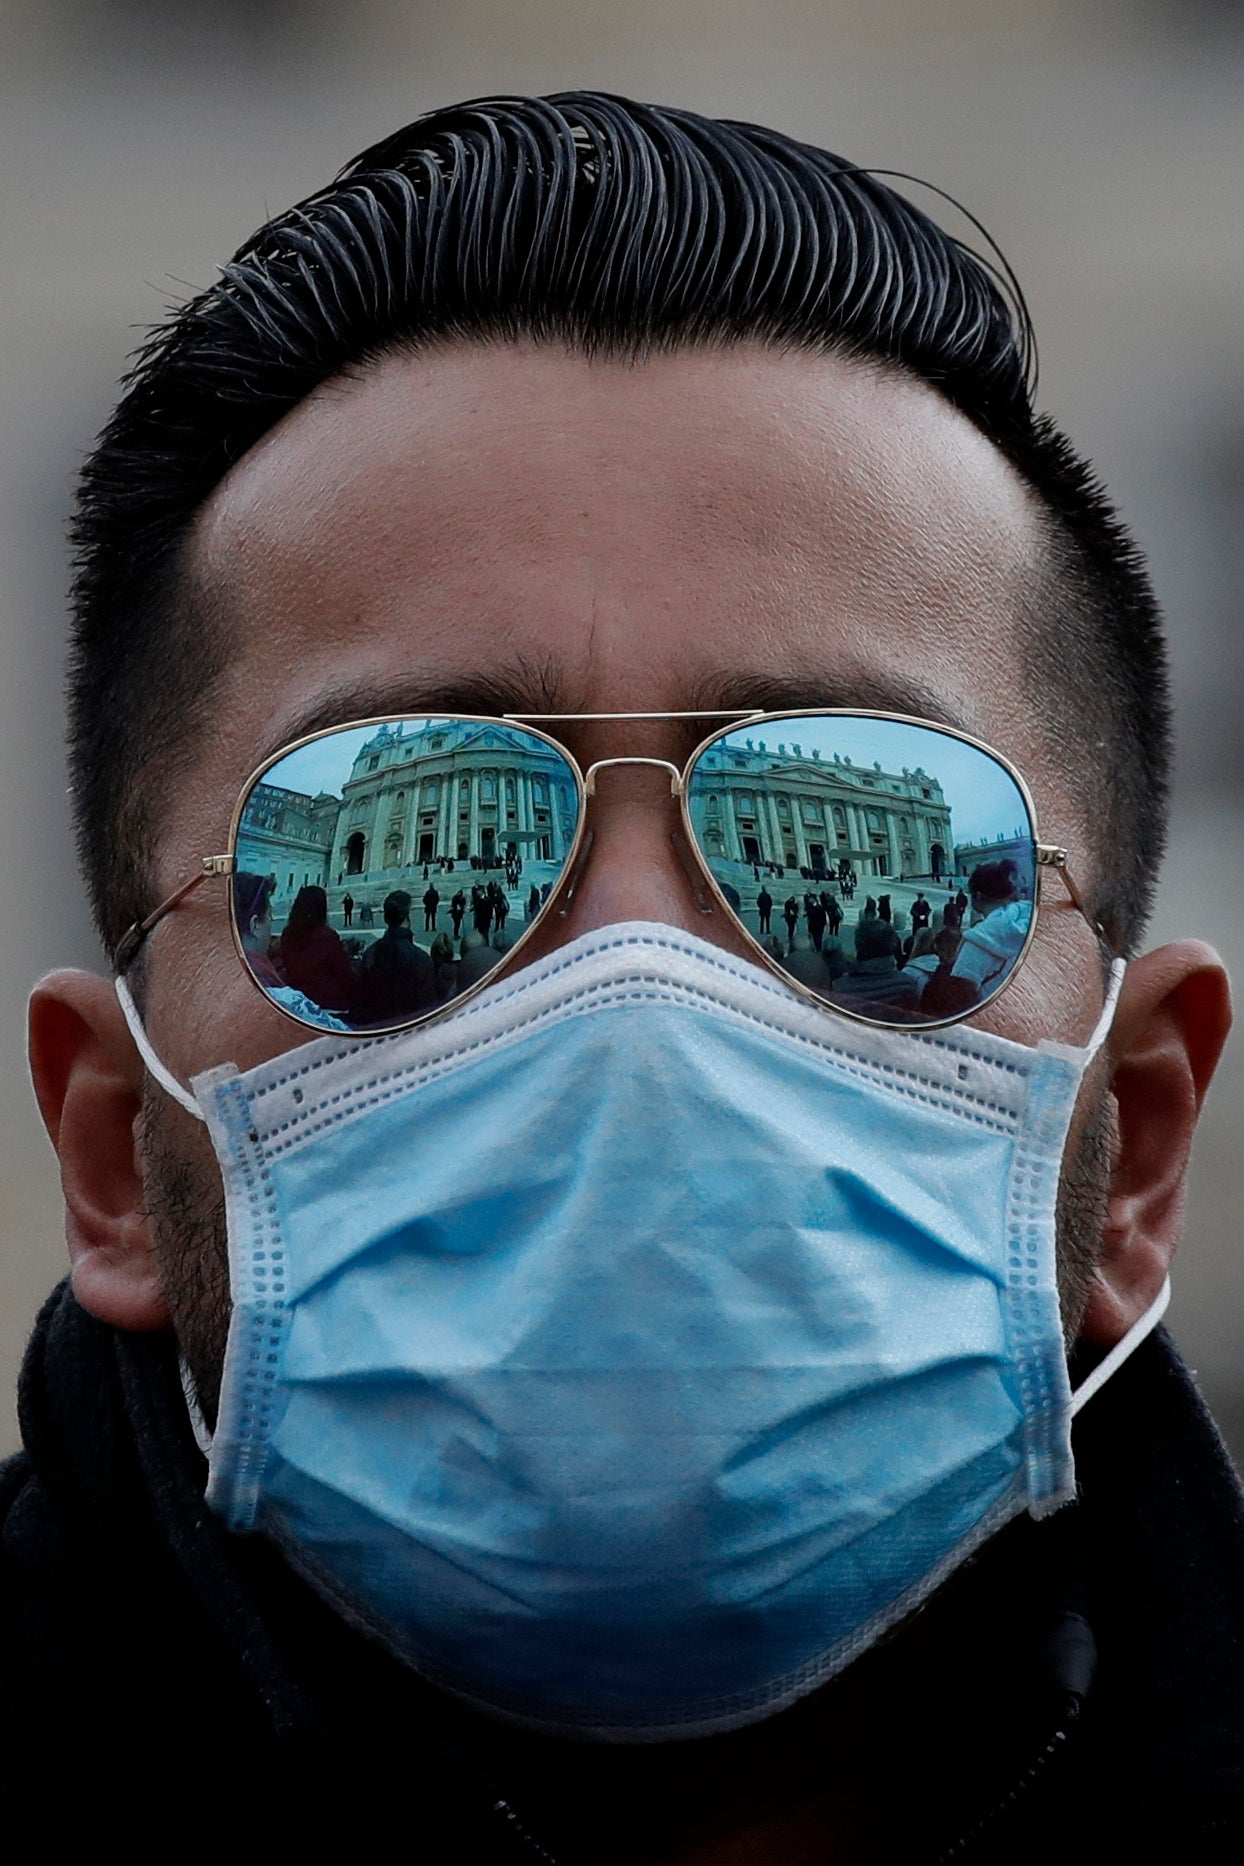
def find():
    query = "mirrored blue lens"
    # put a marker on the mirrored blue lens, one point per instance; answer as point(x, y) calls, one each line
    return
point(384, 870)
point(889, 868)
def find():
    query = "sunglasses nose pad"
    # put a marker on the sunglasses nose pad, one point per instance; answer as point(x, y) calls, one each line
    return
point(577, 873)
point(694, 873)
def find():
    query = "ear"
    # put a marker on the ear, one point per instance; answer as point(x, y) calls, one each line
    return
point(1172, 1020)
point(88, 1082)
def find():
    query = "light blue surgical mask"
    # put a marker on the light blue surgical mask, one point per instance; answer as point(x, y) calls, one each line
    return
point(630, 1349)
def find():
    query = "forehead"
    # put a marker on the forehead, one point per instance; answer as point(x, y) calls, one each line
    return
point(708, 527)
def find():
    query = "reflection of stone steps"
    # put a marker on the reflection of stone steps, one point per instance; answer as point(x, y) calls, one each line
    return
point(370, 890)
point(739, 876)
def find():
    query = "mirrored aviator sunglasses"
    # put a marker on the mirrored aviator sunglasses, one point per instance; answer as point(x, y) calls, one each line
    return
point(382, 872)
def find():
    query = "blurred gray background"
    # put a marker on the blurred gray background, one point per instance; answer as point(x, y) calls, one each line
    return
point(1099, 140)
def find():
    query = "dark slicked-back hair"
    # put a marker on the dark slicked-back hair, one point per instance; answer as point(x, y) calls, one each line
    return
point(618, 229)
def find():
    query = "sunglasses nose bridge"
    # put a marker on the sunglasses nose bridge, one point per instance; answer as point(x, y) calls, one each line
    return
point(662, 764)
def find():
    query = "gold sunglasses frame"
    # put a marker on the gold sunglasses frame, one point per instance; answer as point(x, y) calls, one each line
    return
point(1047, 855)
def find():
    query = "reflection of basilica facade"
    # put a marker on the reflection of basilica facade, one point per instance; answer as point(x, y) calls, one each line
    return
point(792, 807)
point(447, 790)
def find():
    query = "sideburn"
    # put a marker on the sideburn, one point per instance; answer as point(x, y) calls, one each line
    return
point(1083, 1203)
point(186, 1213)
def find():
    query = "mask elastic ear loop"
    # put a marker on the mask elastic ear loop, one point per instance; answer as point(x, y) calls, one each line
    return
point(155, 1068)
point(1114, 985)
point(1157, 1308)
point(1121, 1349)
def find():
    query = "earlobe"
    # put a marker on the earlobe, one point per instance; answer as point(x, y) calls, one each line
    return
point(88, 1083)
point(1173, 1018)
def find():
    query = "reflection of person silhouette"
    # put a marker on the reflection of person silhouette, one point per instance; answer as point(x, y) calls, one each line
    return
point(444, 968)
point(501, 909)
point(347, 908)
point(367, 917)
point(533, 902)
point(945, 995)
point(252, 914)
point(457, 911)
point(431, 901)
point(396, 977)
point(477, 961)
point(833, 912)
point(815, 916)
point(883, 908)
point(481, 910)
point(873, 980)
point(764, 907)
point(1003, 916)
point(790, 913)
point(312, 956)
point(921, 913)
point(954, 910)
point(922, 960)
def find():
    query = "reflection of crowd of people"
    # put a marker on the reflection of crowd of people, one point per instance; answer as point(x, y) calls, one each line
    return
point(898, 965)
point(356, 984)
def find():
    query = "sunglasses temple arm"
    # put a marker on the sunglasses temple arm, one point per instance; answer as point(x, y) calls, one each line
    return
point(1081, 905)
point(133, 938)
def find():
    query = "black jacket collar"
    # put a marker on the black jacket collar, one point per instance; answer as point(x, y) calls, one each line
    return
point(127, 1612)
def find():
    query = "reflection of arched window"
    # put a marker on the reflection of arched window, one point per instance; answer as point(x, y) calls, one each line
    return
point(873, 819)
point(392, 851)
point(746, 804)
point(840, 816)
point(488, 789)
point(714, 803)
point(464, 789)
point(539, 790)
point(509, 790)
point(356, 846)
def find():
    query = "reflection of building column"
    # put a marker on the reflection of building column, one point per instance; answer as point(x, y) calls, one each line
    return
point(764, 829)
point(734, 848)
point(780, 828)
point(858, 825)
point(894, 841)
point(924, 863)
point(831, 833)
point(801, 841)
point(473, 827)
point(446, 842)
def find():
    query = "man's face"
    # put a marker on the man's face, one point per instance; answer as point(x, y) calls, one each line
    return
point(711, 529)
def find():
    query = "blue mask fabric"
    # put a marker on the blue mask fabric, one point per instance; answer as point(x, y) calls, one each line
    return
point(631, 1348)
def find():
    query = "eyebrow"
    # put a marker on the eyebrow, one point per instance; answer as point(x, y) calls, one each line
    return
point(526, 689)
